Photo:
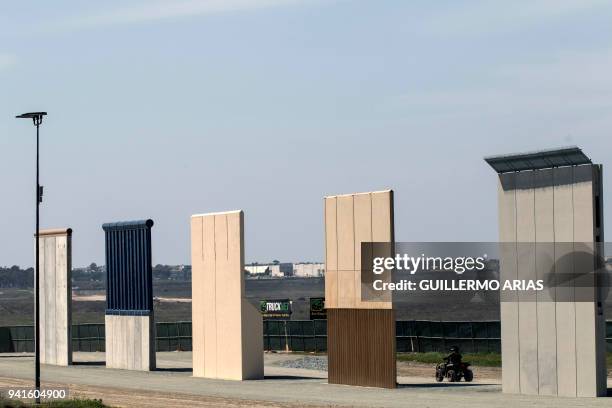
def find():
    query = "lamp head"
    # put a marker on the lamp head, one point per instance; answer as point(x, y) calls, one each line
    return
point(35, 116)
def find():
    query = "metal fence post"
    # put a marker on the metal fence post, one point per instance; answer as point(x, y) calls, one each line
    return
point(286, 337)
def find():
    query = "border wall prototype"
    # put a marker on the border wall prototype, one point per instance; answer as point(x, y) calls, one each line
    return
point(129, 320)
point(360, 334)
point(227, 329)
point(55, 273)
point(550, 225)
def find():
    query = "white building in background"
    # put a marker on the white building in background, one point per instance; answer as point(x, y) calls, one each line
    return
point(256, 269)
point(308, 270)
point(281, 270)
point(277, 270)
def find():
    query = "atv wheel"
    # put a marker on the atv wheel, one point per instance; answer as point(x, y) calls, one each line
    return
point(439, 377)
point(450, 374)
point(468, 375)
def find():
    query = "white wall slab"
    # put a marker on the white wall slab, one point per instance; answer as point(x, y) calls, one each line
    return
point(55, 273)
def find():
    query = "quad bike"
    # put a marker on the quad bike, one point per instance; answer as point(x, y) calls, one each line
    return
point(453, 372)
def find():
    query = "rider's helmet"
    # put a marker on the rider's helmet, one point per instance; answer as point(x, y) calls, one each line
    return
point(454, 349)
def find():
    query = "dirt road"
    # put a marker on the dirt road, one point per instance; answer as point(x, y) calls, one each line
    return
point(412, 369)
point(124, 397)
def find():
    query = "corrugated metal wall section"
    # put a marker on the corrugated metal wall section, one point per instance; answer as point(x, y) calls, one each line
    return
point(361, 347)
point(129, 278)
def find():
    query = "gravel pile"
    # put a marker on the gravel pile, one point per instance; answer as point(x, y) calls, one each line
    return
point(307, 362)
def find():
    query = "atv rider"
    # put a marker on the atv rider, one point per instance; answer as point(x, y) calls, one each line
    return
point(454, 358)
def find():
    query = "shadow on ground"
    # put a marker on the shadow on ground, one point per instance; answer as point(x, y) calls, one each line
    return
point(89, 363)
point(444, 385)
point(174, 369)
point(289, 377)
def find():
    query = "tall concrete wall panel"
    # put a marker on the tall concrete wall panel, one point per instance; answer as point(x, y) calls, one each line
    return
point(553, 341)
point(361, 334)
point(227, 341)
point(55, 272)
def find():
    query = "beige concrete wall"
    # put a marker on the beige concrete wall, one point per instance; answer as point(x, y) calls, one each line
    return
point(566, 311)
point(509, 313)
point(130, 342)
point(545, 307)
point(351, 219)
point(226, 328)
point(55, 272)
point(550, 347)
point(527, 323)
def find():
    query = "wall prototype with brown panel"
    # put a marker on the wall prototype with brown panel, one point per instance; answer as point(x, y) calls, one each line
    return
point(361, 334)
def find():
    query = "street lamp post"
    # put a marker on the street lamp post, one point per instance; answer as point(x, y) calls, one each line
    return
point(37, 119)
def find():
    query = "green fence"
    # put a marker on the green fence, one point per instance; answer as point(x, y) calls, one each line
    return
point(472, 337)
point(5, 340)
point(173, 336)
point(16, 339)
point(411, 336)
point(90, 337)
point(282, 335)
point(294, 335)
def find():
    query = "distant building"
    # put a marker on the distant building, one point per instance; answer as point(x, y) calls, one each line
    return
point(256, 269)
point(275, 270)
point(286, 269)
point(308, 270)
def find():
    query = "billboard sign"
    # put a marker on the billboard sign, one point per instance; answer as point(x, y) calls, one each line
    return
point(317, 308)
point(275, 309)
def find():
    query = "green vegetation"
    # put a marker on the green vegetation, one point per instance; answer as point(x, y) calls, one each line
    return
point(69, 403)
point(15, 277)
point(476, 359)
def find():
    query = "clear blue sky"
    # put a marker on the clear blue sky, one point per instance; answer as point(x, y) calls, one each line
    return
point(163, 109)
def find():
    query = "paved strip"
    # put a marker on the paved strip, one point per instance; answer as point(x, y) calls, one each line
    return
point(285, 387)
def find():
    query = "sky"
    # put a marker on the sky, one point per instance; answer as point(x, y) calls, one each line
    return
point(164, 109)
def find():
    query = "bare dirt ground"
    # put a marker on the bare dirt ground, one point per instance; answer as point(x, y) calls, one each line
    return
point(413, 369)
point(122, 397)
point(101, 298)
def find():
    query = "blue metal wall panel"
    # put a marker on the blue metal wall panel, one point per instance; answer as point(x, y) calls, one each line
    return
point(129, 276)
